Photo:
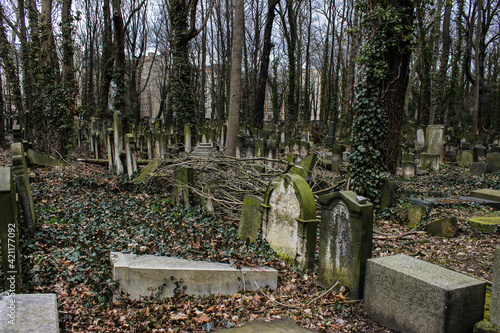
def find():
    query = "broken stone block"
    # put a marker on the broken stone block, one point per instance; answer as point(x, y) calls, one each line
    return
point(158, 277)
point(446, 227)
point(275, 326)
point(485, 326)
point(37, 158)
point(478, 168)
point(251, 218)
point(415, 214)
point(429, 161)
point(410, 295)
point(149, 169)
point(493, 162)
point(33, 313)
point(486, 224)
point(486, 194)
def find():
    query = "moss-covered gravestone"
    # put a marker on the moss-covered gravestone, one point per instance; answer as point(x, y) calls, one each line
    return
point(434, 135)
point(465, 158)
point(23, 186)
point(183, 183)
point(486, 224)
point(446, 227)
point(306, 167)
point(495, 291)
point(118, 142)
point(346, 236)
point(251, 218)
point(9, 232)
point(429, 161)
point(289, 223)
point(493, 162)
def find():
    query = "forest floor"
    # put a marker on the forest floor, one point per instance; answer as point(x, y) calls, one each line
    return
point(84, 213)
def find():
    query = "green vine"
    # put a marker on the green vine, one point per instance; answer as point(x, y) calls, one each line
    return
point(385, 28)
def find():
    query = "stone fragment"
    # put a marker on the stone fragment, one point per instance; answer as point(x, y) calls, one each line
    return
point(486, 224)
point(446, 227)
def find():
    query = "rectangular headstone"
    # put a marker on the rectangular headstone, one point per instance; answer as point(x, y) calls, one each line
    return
point(147, 275)
point(409, 295)
point(345, 243)
point(27, 313)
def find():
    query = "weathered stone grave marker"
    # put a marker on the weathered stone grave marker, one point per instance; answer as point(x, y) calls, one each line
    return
point(158, 277)
point(346, 235)
point(9, 232)
point(289, 222)
point(118, 142)
point(434, 140)
point(409, 295)
point(183, 183)
point(251, 218)
point(23, 186)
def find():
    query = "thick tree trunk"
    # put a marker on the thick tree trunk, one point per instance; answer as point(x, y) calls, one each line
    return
point(235, 97)
point(107, 61)
point(120, 102)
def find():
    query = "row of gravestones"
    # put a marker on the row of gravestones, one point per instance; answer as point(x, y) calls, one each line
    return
point(15, 191)
point(287, 216)
point(389, 285)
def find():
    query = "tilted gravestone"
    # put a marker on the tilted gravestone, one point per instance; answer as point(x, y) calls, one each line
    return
point(183, 184)
point(346, 235)
point(9, 232)
point(23, 186)
point(289, 222)
point(118, 142)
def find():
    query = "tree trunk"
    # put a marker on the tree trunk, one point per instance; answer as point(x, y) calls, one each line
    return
point(478, 68)
point(235, 98)
point(120, 102)
point(260, 94)
point(107, 61)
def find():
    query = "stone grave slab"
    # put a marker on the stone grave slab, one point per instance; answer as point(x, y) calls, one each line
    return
point(486, 224)
point(149, 276)
point(346, 236)
point(409, 295)
point(431, 202)
point(274, 326)
point(486, 194)
point(23, 313)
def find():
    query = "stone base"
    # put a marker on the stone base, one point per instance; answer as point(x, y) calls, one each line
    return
point(409, 295)
point(25, 313)
point(158, 277)
point(275, 326)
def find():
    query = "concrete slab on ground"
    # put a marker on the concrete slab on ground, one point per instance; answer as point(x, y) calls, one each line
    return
point(259, 326)
point(23, 313)
point(156, 277)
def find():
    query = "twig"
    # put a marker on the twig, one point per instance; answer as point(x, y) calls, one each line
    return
point(324, 294)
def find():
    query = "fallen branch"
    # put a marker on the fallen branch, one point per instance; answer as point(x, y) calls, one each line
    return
point(398, 236)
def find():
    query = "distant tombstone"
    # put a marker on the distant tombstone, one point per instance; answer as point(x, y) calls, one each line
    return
point(465, 158)
point(118, 142)
point(493, 162)
point(187, 138)
point(183, 183)
point(306, 167)
point(429, 161)
point(110, 143)
point(9, 232)
point(289, 222)
point(346, 235)
point(304, 149)
point(131, 161)
point(23, 186)
point(388, 192)
point(337, 156)
point(330, 138)
point(408, 157)
point(495, 291)
point(409, 169)
point(478, 168)
point(420, 141)
point(251, 218)
point(434, 140)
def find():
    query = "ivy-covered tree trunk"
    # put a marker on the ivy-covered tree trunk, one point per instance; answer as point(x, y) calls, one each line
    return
point(120, 102)
point(107, 61)
point(380, 96)
point(292, 107)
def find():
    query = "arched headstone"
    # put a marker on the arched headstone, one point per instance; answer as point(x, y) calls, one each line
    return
point(289, 223)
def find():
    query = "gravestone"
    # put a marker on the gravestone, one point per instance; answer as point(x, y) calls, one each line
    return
point(429, 161)
point(182, 185)
point(420, 140)
point(409, 295)
point(9, 232)
point(465, 158)
point(445, 227)
point(251, 218)
point(478, 168)
point(409, 169)
point(23, 186)
point(337, 154)
point(493, 162)
point(159, 277)
point(415, 214)
point(330, 138)
point(434, 140)
point(118, 142)
point(187, 138)
point(289, 221)
point(33, 313)
point(306, 166)
point(346, 235)
point(495, 291)
point(130, 159)
point(110, 143)
point(388, 192)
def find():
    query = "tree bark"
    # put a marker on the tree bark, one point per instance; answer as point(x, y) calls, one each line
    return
point(107, 62)
point(260, 94)
point(235, 98)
